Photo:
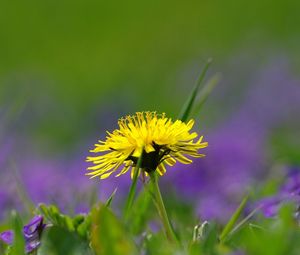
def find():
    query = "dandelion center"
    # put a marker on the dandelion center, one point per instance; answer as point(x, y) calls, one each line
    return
point(151, 160)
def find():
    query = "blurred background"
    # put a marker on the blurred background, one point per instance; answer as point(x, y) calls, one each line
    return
point(69, 70)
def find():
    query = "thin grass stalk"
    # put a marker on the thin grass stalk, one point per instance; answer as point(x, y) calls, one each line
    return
point(187, 107)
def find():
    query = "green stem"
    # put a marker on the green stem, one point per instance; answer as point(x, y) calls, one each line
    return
point(161, 208)
point(131, 194)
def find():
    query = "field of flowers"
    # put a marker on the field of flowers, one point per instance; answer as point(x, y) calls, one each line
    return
point(150, 128)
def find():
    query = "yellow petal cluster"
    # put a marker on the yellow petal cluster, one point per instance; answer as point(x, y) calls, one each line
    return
point(158, 138)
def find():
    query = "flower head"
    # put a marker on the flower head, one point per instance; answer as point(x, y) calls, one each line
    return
point(32, 234)
point(153, 136)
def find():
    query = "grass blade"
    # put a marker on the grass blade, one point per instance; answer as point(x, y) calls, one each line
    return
point(229, 226)
point(187, 107)
point(109, 200)
point(242, 222)
point(206, 91)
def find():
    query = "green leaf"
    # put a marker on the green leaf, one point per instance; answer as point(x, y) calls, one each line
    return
point(157, 244)
point(58, 240)
point(18, 247)
point(234, 218)
point(51, 213)
point(141, 212)
point(78, 220)
point(187, 107)
point(108, 235)
point(84, 228)
point(210, 239)
point(80, 224)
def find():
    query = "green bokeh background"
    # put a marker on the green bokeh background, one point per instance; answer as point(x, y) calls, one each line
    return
point(70, 69)
point(71, 61)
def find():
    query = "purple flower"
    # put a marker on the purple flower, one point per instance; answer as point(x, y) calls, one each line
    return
point(288, 192)
point(291, 186)
point(32, 233)
point(269, 206)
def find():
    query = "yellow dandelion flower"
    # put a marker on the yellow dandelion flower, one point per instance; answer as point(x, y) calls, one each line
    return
point(158, 138)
